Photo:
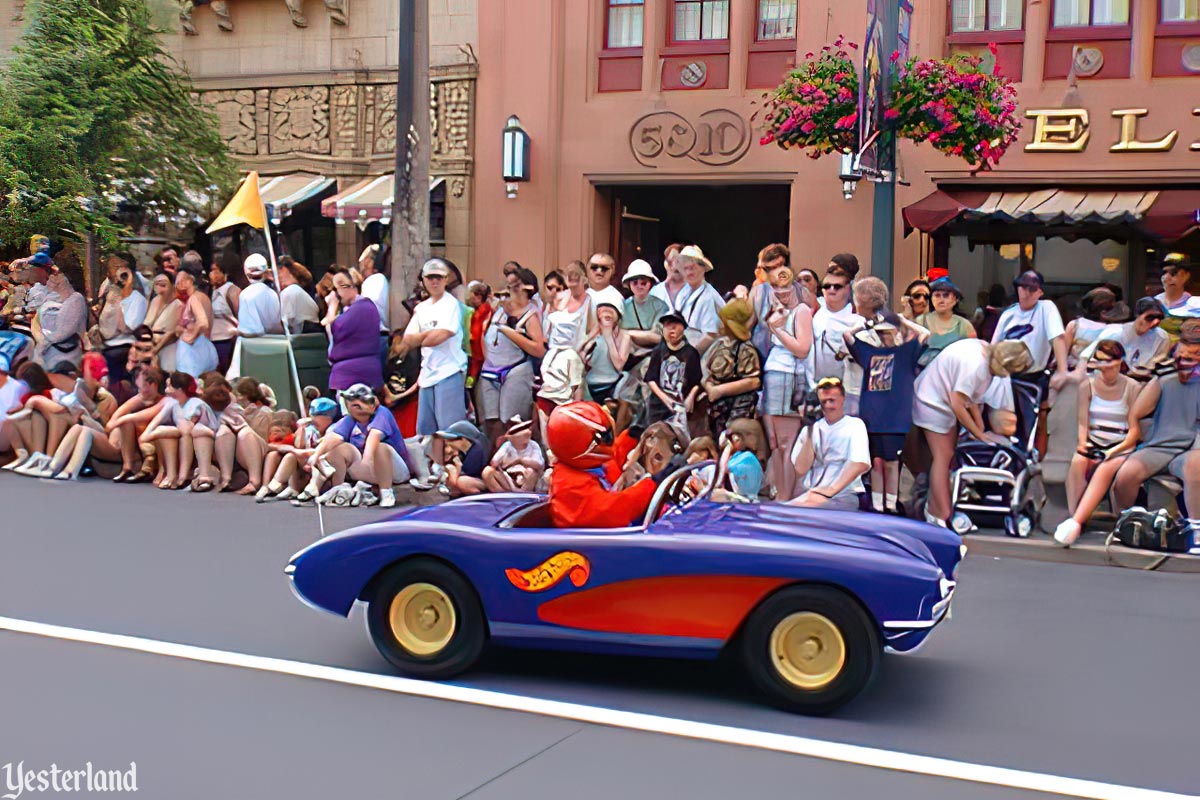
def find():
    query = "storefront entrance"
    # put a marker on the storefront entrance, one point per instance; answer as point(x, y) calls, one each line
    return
point(730, 223)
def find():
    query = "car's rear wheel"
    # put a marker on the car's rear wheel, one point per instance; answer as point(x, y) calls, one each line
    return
point(810, 648)
point(426, 619)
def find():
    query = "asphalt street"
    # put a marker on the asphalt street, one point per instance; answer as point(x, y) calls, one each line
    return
point(1062, 670)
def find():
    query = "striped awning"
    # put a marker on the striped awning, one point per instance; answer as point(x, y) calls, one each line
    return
point(281, 193)
point(1163, 214)
point(368, 200)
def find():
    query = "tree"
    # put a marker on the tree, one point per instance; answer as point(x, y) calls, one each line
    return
point(94, 113)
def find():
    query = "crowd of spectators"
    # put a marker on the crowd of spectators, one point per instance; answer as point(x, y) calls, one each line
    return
point(820, 389)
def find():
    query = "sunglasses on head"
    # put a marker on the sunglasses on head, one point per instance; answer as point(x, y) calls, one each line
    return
point(829, 383)
point(833, 287)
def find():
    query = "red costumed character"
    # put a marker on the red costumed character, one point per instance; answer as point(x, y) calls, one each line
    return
point(581, 437)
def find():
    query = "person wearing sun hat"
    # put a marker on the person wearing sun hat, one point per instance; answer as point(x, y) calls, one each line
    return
point(944, 326)
point(607, 351)
point(642, 310)
point(732, 369)
point(258, 304)
point(698, 302)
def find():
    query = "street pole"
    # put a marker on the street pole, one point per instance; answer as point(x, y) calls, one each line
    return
point(883, 215)
point(410, 208)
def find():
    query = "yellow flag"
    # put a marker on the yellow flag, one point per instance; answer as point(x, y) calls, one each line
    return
point(246, 208)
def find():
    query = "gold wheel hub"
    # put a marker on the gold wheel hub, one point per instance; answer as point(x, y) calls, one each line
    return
point(808, 650)
point(422, 619)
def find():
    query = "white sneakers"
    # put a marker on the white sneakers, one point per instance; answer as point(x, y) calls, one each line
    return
point(1068, 532)
point(387, 498)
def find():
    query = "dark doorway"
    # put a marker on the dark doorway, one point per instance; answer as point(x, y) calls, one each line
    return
point(730, 223)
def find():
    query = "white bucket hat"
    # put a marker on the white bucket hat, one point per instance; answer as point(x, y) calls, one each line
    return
point(639, 268)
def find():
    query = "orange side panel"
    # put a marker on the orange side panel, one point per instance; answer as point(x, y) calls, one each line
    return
point(701, 606)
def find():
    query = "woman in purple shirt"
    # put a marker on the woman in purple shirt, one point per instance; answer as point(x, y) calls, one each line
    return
point(353, 324)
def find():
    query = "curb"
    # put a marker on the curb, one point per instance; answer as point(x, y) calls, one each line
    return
point(1090, 553)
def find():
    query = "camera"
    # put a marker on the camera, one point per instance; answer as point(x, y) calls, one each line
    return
point(811, 411)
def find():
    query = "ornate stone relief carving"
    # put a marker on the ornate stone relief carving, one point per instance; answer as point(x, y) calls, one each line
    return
point(348, 121)
point(335, 8)
point(236, 113)
point(299, 120)
point(457, 187)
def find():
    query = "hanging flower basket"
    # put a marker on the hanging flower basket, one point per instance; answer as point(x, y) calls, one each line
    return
point(956, 106)
point(816, 107)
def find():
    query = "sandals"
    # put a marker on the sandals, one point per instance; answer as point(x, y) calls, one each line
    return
point(123, 476)
point(203, 485)
point(142, 476)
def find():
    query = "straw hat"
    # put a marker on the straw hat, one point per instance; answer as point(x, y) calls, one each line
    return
point(696, 254)
point(1009, 358)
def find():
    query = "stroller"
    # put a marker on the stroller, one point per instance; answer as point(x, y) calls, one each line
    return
point(1001, 482)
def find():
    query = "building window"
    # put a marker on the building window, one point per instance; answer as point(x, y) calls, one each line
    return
point(776, 20)
point(970, 16)
point(1181, 10)
point(701, 20)
point(1076, 13)
point(437, 214)
point(624, 23)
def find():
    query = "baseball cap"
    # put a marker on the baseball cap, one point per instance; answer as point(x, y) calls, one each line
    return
point(41, 259)
point(459, 430)
point(1030, 279)
point(435, 266)
point(359, 391)
point(322, 406)
point(255, 266)
point(612, 297)
point(517, 425)
point(672, 317)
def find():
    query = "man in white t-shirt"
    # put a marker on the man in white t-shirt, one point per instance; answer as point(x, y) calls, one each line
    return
point(1037, 324)
point(834, 317)
point(832, 454)
point(258, 304)
point(436, 327)
point(600, 270)
point(1146, 344)
point(375, 283)
point(698, 302)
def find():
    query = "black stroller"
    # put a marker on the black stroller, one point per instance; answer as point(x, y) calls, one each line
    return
point(1001, 483)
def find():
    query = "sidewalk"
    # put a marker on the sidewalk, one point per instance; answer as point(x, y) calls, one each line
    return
point(1088, 550)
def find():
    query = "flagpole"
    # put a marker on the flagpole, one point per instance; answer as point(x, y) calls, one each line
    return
point(282, 318)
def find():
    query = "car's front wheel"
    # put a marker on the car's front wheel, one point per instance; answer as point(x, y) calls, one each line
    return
point(426, 619)
point(810, 648)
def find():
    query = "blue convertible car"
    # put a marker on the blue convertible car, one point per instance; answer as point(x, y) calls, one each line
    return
point(807, 599)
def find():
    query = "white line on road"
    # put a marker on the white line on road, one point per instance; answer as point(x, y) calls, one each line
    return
point(703, 731)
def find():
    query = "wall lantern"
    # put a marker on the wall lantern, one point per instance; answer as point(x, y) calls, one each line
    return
point(849, 173)
point(516, 155)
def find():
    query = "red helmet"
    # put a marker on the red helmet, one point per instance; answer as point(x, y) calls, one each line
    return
point(580, 435)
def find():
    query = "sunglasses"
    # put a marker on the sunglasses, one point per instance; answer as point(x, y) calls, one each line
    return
point(598, 268)
point(919, 296)
point(833, 287)
point(1154, 318)
point(828, 383)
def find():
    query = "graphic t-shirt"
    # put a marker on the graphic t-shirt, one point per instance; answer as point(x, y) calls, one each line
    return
point(675, 372)
point(1035, 327)
point(885, 404)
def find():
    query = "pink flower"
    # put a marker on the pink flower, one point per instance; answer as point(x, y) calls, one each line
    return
point(891, 114)
point(934, 137)
point(808, 127)
point(894, 57)
point(992, 48)
point(767, 139)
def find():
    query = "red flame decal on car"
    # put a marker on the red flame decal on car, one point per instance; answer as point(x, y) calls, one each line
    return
point(551, 571)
